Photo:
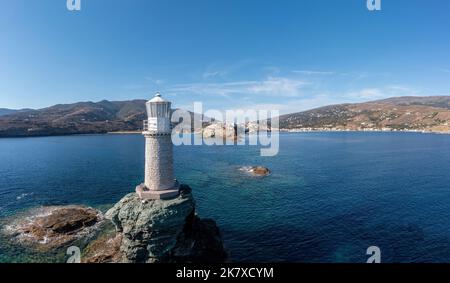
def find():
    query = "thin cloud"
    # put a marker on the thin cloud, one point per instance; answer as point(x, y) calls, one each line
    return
point(271, 87)
point(154, 81)
point(403, 90)
point(213, 74)
point(299, 105)
point(217, 70)
point(311, 73)
point(368, 94)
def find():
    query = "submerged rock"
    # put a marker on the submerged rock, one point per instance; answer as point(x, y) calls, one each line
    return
point(259, 171)
point(165, 231)
point(55, 226)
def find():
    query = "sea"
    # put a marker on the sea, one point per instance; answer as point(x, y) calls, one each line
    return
point(330, 197)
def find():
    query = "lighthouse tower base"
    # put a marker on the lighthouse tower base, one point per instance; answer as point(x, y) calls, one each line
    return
point(145, 194)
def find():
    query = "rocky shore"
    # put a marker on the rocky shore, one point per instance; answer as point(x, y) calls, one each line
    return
point(52, 227)
point(145, 231)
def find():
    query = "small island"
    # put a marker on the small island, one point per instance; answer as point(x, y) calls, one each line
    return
point(257, 171)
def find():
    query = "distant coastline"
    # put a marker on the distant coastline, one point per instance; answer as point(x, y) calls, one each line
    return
point(124, 133)
point(284, 131)
point(427, 114)
point(362, 131)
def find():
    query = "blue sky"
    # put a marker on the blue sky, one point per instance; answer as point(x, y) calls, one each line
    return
point(291, 55)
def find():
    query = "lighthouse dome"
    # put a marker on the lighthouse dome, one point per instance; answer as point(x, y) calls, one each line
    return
point(157, 99)
point(157, 107)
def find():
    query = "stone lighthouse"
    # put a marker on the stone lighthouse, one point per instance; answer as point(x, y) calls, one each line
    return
point(160, 181)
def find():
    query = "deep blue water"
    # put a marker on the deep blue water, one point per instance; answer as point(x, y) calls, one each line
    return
point(330, 197)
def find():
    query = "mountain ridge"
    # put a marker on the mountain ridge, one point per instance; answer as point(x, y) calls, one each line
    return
point(7, 111)
point(407, 113)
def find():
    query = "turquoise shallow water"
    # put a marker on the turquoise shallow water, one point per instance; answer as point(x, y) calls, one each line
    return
point(330, 197)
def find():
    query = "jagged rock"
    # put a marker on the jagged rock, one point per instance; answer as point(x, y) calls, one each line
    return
point(149, 228)
point(200, 242)
point(165, 230)
point(105, 249)
point(52, 227)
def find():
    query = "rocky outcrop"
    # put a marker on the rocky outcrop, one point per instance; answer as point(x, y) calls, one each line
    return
point(258, 171)
point(221, 130)
point(55, 226)
point(104, 249)
point(165, 231)
point(145, 231)
point(256, 127)
point(200, 242)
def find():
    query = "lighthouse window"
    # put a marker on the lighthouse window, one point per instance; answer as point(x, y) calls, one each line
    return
point(152, 110)
point(159, 110)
